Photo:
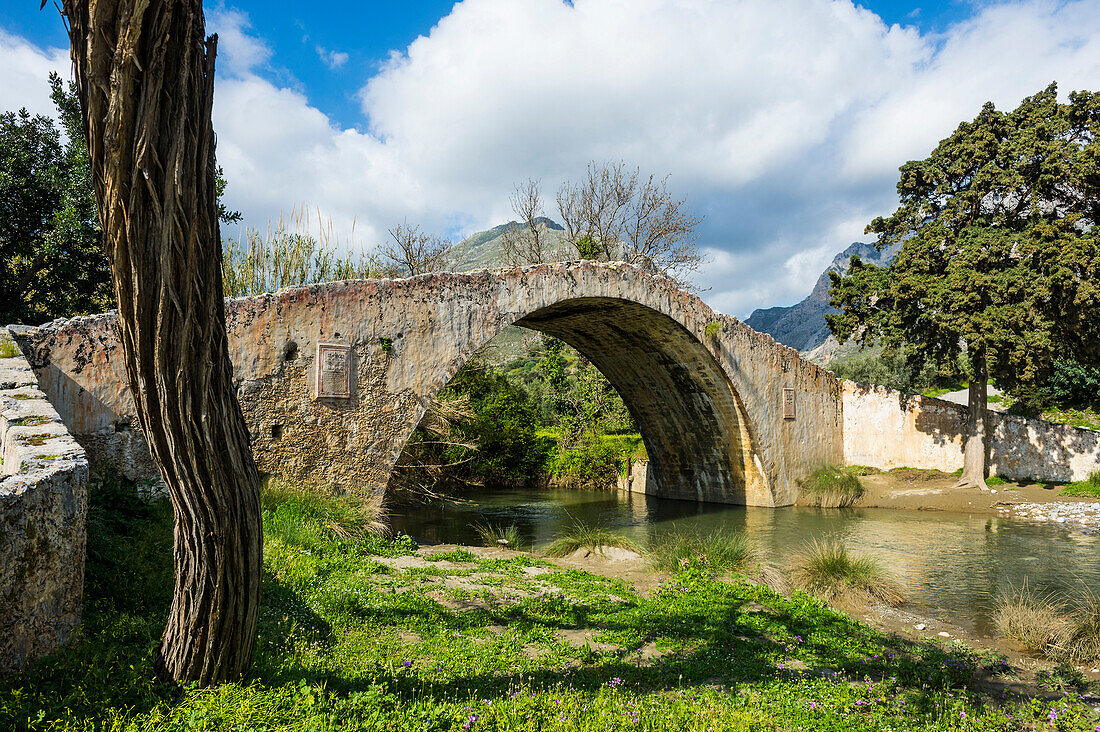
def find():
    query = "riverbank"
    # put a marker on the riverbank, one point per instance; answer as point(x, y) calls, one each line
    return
point(913, 489)
point(367, 634)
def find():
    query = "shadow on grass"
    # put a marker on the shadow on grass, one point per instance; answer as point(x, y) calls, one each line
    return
point(718, 634)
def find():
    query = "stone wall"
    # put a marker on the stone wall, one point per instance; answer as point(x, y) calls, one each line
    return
point(43, 506)
point(884, 428)
point(710, 407)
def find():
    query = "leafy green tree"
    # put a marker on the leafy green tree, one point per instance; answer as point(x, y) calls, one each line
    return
point(1000, 262)
point(51, 261)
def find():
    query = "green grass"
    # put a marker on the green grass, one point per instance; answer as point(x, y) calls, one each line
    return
point(1087, 418)
point(347, 642)
point(830, 571)
point(1088, 488)
point(592, 538)
point(831, 486)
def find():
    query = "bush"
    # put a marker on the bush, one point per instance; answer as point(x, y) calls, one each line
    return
point(594, 539)
point(831, 486)
point(594, 464)
point(890, 369)
point(828, 570)
point(1071, 383)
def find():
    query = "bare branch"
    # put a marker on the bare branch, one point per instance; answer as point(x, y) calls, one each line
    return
point(415, 252)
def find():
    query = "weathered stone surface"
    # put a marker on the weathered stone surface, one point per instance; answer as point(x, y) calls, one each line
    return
point(884, 428)
point(710, 409)
point(43, 505)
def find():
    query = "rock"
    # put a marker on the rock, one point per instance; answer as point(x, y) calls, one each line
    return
point(944, 635)
point(919, 626)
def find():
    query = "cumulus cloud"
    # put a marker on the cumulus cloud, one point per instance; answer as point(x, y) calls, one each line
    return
point(784, 121)
point(26, 69)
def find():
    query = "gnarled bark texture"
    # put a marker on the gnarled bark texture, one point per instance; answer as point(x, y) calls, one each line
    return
point(145, 74)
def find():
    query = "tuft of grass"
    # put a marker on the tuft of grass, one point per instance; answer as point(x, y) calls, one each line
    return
point(593, 538)
point(1083, 640)
point(861, 470)
point(995, 480)
point(508, 537)
point(1036, 622)
point(719, 552)
point(830, 571)
point(1088, 488)
point(349, 517)
point(712, 330)
point(8, 349)
point(831, 486)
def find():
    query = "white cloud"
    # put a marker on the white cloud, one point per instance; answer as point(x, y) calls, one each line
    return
point(26, 70)
point(332, 59)
point(784, 121)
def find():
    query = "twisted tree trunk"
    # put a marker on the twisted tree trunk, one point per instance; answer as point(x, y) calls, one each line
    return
point(145, 75)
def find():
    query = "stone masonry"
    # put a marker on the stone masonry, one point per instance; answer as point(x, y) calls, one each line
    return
point(43, 505)
point(727, 417)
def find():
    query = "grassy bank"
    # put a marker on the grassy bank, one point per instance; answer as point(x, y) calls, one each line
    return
point(359, 633)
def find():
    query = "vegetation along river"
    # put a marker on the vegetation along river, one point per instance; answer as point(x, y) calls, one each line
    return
point(954, 565)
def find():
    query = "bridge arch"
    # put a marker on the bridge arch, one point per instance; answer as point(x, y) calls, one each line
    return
point(693, 423)
point(711, 396)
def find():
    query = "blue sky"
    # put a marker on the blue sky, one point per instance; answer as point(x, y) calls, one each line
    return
point(782, 121)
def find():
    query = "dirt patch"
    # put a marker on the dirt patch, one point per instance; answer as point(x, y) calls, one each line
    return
point(931, 490)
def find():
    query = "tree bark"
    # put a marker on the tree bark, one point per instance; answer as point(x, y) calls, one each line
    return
point(145, 75)
point(973, 474)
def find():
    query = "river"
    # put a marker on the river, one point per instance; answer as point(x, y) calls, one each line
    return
point(954, 565)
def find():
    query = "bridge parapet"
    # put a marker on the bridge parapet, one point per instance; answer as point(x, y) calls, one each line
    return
point(43, 504)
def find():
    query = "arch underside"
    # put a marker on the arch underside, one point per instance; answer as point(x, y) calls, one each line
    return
point(691, 421)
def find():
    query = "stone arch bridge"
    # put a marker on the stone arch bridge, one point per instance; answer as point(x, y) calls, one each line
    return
point(334, 378)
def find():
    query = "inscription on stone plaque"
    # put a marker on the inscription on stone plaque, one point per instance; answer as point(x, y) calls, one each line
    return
point(788, 403)
point(333, 371)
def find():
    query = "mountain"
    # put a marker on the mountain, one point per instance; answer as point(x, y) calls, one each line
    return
point(483, 250)
point(802, 326)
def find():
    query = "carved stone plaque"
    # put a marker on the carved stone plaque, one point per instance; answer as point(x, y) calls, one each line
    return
point(788, 403)
point(333, 371)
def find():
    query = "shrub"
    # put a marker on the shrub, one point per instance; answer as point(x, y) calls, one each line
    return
point(594, 464)
point(719, 552)
point(831, 486)
point(592, 538)
point(828, 570)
